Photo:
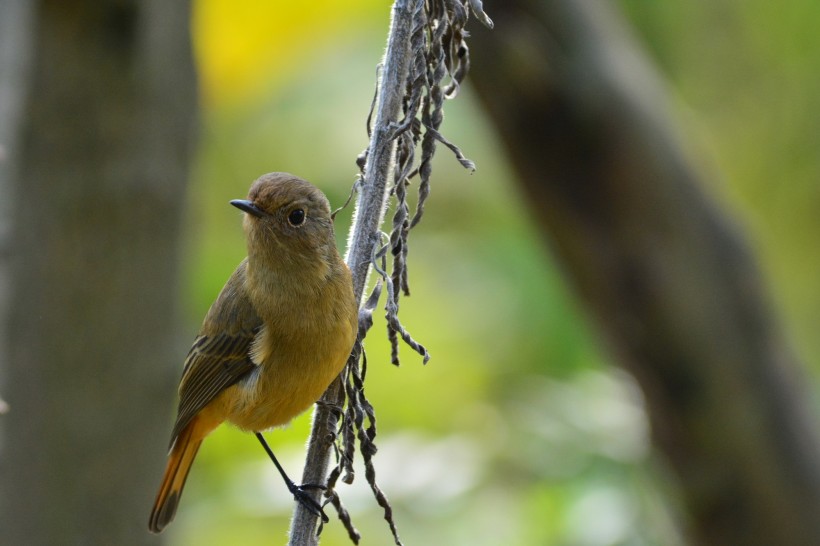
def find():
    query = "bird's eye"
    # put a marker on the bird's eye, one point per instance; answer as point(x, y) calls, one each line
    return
point(296, 217)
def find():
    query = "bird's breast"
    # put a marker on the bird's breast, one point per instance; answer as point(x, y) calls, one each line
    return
point(296, 363)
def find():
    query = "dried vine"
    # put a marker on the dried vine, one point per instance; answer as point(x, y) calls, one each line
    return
point(426, 61)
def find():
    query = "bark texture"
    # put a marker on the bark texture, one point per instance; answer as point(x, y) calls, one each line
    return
point(104, 143)
point(665, 273)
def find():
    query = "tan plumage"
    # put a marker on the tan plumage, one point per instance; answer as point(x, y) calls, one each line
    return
point(276, 336)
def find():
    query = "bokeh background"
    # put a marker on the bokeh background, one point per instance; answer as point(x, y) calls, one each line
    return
point(521, 429)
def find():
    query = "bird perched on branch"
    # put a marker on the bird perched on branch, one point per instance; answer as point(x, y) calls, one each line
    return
point(277, 335)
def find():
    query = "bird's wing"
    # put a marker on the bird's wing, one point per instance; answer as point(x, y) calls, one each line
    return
point(219, 356)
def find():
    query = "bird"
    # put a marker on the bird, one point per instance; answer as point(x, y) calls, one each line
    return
point(279, 332)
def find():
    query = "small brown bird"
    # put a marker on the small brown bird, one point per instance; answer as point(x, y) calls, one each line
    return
point(280, 331)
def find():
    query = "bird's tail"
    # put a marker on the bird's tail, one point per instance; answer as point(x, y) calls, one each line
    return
point(176, 471)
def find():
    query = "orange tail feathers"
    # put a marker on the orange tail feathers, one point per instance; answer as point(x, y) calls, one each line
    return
point(176, 471)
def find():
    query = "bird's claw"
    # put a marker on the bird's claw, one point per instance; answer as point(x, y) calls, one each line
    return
point(301, 495)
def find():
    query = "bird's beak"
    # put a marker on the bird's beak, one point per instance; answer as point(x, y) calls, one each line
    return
point(248, 206)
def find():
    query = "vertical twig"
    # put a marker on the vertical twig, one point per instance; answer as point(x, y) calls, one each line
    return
point(364, 238)
point(425, 44)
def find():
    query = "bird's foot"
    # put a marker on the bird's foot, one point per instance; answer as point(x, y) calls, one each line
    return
point(303, 497)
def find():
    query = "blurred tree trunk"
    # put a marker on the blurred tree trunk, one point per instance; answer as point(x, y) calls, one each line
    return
point(666, 275)
point(15, 51)
point(99, 178)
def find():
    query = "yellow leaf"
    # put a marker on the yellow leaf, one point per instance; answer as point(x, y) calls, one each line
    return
point(243, 47)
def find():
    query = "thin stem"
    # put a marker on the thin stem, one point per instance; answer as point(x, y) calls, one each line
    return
point(364, 236)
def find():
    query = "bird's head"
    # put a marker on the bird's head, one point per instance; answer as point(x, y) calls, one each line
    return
point(286, 219)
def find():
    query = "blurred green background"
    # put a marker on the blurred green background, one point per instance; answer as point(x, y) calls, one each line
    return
point(520, 430)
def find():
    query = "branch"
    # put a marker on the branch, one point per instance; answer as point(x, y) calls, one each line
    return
point(425, 47)
point(364, 239)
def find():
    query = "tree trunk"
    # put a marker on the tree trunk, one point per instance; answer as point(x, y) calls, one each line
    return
point(667, 276)
point(104, 143)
